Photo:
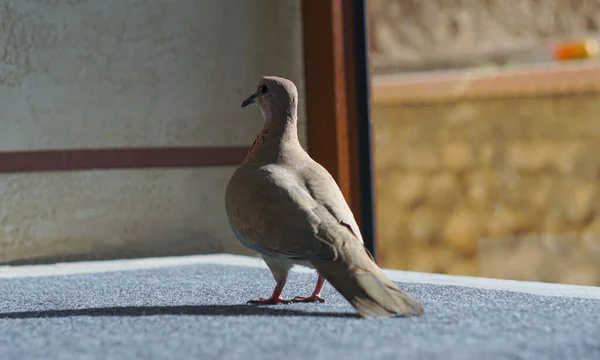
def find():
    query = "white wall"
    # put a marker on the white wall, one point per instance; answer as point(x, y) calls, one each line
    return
point(131, 73)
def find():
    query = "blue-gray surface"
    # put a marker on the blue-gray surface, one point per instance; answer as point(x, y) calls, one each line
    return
point(198, 312)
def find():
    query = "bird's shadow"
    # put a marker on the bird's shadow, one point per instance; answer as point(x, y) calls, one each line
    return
point(186, 310)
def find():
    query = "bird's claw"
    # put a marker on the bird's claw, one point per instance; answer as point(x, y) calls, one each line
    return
point(308, 299)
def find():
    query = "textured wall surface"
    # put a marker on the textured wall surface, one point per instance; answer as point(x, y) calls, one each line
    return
point(109, 73)
point(410, 33)
point(105, 214)
point(498, 187)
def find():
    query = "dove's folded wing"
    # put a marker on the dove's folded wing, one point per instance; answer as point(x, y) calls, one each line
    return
point(327, 193)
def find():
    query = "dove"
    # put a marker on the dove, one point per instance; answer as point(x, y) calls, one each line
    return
point(288, 208)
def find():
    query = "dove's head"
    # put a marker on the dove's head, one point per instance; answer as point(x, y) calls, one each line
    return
point(276, 97)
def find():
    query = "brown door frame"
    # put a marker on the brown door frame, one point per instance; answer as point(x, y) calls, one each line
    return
point(337, 101)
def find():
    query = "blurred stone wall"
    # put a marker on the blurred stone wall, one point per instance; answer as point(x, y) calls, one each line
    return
point(499, 187)
point(408, 34)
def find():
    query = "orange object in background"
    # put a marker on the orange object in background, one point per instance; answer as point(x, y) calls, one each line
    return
point(576, 50)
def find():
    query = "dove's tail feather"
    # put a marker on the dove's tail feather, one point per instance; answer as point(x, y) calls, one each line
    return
point(369, 290)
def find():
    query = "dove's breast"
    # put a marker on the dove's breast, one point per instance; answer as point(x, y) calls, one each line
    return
point(240, 236)
point(253, 199)
point(267, 208)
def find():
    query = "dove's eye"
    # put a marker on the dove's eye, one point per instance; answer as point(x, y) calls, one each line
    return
point(263, 89)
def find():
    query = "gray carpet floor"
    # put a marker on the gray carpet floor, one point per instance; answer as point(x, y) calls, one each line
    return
point(199, 312)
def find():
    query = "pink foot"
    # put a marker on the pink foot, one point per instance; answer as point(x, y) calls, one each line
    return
point(269, 301)
point(308, 299)
point(316, 295)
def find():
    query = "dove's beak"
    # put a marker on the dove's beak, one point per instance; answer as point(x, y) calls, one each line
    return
point(249, 100)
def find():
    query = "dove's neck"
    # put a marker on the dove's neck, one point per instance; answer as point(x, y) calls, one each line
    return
point(277, 139)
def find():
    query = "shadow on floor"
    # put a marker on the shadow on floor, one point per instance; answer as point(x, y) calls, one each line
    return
point(190, 310)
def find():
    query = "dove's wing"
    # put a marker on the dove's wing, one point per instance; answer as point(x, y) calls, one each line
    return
point(327, 193)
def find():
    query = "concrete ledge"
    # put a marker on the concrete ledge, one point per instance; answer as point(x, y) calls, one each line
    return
point(91, 267)
point(442, 86)
point(195, 308)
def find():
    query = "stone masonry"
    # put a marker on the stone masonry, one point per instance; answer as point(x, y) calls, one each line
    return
point(505, 188)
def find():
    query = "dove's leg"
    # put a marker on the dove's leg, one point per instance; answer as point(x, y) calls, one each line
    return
point(316, 295)
point(280, 270)
point(275, 297)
